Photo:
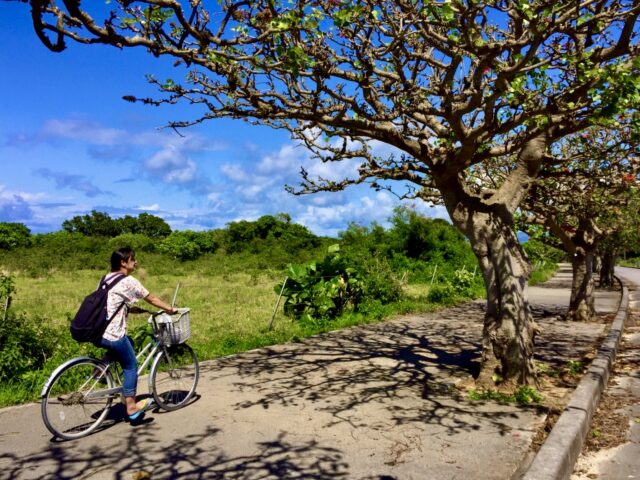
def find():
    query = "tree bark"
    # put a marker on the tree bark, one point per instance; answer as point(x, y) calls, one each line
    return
point(607, 269)
point(509, 329)
point(582, 304)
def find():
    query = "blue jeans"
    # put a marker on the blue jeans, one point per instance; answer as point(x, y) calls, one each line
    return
point(122, 351)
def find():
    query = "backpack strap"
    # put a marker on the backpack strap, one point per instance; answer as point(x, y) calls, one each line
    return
point(113, 281)
point(108, 286)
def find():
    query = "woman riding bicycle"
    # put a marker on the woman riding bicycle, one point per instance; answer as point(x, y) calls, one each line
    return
point(119, 346)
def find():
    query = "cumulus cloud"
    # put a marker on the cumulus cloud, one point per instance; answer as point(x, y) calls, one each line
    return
point(363, 210)
point(174, 167)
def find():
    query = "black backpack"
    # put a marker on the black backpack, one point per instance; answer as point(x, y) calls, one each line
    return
point(91, 320)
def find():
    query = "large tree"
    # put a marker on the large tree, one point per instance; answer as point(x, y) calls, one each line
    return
point(584, 199)
point(449, 84)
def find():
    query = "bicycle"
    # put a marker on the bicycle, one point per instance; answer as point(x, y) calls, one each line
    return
point(77, 397)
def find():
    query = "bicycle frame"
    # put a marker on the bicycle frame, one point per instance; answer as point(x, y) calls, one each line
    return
point(154, 345)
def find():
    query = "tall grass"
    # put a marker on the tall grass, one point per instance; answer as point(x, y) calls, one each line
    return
point(230, 312)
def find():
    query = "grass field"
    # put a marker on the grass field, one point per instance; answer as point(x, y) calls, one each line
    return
point(230, 312)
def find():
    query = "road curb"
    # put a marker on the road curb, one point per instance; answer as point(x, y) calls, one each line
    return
point(558, 454)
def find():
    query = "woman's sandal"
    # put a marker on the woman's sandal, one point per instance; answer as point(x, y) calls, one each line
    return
point(147, 403)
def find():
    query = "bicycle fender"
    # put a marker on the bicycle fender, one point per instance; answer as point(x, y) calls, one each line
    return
point(43, 392)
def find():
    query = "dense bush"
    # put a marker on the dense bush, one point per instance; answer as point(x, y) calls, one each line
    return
point(537, 251)
point(188, 245)
point(415, 245)
point(57, 251)
point(461, 284)
point(14, 235)
point(323, 290)
point(544, 259)
point(443, 293)
point(320, 290)
point(25, 345)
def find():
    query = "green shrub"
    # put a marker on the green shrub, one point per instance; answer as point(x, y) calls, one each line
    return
point(179, 246)
point(7, 288)
point(321, 290)
point(100, 224)
point(14, 235)
point(25, 345)
point(379, 282)
point(524, 395)
point(537, 251)
point(267, 231)
point(189, 245)
point(442, 293)
point(462, 282)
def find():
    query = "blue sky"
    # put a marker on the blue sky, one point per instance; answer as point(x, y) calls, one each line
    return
point(69, 144)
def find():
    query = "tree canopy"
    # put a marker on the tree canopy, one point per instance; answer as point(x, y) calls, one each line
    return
point(100, 224)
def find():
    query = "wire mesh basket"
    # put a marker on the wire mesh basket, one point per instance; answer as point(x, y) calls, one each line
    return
point(177, 327)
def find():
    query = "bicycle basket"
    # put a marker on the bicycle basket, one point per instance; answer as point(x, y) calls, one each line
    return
point(177, 327)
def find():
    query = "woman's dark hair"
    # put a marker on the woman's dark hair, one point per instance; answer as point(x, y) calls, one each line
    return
point(121, 255)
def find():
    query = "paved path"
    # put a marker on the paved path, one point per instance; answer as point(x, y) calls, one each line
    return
point(373, 403)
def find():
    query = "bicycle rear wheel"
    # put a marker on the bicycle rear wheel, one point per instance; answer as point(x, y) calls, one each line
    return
point(174, 376)
point(72, 405)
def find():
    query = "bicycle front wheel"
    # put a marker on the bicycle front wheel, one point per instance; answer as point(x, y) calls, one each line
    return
point(174, 376)
point(72, 404)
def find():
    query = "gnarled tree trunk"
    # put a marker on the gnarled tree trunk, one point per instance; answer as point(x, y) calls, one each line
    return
point(509, 329)
point(582, 304)
point(584, 242)
point(607, 269)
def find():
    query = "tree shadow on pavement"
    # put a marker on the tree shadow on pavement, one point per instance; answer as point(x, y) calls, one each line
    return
point(406, 370)
point(143, 456)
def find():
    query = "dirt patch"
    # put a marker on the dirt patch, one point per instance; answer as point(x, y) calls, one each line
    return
point(610, 424)
point(609, 427)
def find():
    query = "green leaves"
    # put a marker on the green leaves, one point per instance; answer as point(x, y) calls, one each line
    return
point(321, 290)
point(346, 16)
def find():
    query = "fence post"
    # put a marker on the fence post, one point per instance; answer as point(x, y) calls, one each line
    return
point(278, 302)
point(434, 274)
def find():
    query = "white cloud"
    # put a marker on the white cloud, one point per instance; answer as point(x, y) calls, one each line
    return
point(234, 172)
point(288, 159)
point(149, 208)
point(83, 130)
point(7, 195)
point(172, 166)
